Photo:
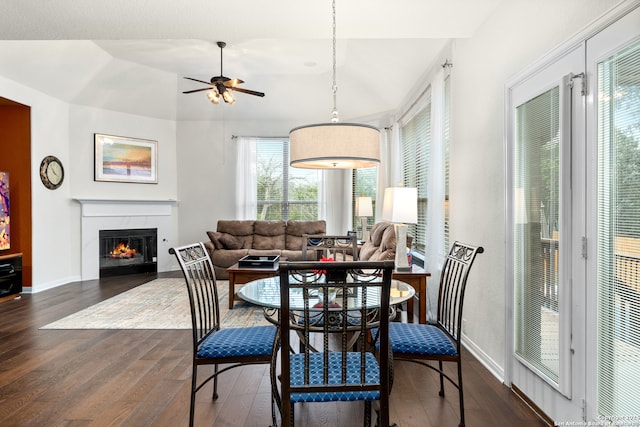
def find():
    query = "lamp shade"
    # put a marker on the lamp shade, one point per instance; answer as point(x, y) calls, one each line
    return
point(400, 205)
point(334, 146)
point(364, 206)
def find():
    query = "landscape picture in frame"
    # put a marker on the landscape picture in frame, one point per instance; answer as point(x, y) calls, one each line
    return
point(123, 159)
point(5, 220)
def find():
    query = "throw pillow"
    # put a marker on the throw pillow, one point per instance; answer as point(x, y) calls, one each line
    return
point(214, 236)
point(230, 242)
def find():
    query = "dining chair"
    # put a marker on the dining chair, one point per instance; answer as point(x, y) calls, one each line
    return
point(440, 341)
point(332, 310)
point(213, 345)
point(336, 248)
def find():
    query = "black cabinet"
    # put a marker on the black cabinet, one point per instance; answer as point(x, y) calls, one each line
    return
point(10, 275)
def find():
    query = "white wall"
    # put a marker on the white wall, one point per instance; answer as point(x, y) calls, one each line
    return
point(66, 131)
point(516, 35)
point(207, 163)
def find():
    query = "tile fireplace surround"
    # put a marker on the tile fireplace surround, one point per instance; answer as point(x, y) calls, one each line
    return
point(101, 214)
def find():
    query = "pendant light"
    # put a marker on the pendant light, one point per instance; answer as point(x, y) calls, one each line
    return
point(334, 145)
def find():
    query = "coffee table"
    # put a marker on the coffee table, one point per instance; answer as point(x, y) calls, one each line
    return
point(241, 275)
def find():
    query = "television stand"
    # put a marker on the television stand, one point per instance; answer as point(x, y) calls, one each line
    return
point(10, 276)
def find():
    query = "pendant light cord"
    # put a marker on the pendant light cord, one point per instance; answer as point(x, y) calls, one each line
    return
point(334, 88)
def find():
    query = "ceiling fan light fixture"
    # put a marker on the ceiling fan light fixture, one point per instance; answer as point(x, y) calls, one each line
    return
point(213, 96)
point(334, 145)
point(228, 97)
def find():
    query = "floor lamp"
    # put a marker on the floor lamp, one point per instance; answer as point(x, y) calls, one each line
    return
point(400, 206)
point(364, 209)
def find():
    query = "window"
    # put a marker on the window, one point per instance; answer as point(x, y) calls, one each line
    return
point(416, 144)
point(536, 232)
point(284, 192)
point(364, 183)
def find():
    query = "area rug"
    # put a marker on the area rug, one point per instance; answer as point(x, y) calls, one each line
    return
point(159, 304)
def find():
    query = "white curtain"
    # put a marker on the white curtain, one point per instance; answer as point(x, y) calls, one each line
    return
point(390, 169)
point(246, 179)
point(434, 258)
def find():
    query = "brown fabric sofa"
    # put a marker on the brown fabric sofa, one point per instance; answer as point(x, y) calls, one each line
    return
point(235, 239)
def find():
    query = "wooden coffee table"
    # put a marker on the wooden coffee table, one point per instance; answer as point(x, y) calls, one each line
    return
point(417, 278)
point(241, 275)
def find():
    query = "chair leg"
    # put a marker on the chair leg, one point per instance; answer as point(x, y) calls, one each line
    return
point(192, 408)
point(215, 382)
point(441, 393)
point(460, 393)
point(292, 416)
point(367, 413)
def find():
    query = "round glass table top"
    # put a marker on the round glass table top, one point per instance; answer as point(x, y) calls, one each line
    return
point(266, 293)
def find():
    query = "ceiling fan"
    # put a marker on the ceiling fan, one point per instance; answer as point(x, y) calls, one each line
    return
point(221, 86)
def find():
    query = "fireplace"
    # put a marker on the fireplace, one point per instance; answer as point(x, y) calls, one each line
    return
point(128, 251)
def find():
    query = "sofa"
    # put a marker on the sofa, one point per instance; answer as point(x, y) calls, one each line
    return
point(381, 244)
point(234, 239)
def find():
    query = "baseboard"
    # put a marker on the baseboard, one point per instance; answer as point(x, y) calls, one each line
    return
point(486, 361)
point(49, 285)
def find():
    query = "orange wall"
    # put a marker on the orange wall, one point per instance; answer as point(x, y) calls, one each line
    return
point(15, 158)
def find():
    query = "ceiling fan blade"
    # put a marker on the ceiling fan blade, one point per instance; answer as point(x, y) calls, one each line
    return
point(250, 92)
point(233, 82)
point(199, 81)
point(197, 90)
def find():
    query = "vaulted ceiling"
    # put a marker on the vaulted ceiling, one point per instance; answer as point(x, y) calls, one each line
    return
point(132, 56)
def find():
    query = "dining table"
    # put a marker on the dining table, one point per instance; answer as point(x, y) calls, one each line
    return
point(265, 292)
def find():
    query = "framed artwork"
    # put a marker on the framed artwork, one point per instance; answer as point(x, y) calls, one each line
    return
point(5, 222)
point(123, 159)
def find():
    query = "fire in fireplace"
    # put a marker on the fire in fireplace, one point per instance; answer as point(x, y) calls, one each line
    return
point(128, 251)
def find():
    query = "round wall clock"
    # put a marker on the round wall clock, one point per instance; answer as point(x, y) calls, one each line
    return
point(51, 172)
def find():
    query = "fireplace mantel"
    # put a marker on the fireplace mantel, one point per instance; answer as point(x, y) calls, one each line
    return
point(113, 214)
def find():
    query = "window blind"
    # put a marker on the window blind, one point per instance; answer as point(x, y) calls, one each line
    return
point(536, 238)
point(416, 144)
point(364, 183)
point(618, 256)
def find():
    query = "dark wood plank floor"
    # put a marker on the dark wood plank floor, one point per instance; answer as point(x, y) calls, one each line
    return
point(142, 377)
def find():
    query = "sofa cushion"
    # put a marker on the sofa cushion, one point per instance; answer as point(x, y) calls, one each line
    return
point(265, 252)
point(388, 241)
point(227, 258)
point(295, 230)
point(377, 231)
point(268, 235)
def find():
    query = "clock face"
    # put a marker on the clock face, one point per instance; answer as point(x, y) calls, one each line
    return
point(51, 172)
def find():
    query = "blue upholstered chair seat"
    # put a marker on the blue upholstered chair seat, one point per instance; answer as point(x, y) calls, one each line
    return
point(231, 342)
point(335, 376)
point(416, 339)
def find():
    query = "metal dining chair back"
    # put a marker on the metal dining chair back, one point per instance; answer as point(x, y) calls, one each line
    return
point(338, 300)
point(440, 341)
point(336, 248)
point(213, 345)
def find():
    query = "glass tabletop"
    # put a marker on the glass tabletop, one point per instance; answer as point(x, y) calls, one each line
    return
point(266, 293)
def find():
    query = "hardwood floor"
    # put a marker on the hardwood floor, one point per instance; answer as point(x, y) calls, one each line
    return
point(142, 377)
